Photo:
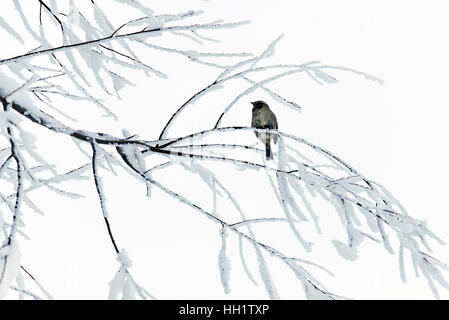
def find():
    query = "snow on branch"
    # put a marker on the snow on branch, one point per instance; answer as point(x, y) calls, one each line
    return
point(78, 65)
point(353, 195)
point(89, 48)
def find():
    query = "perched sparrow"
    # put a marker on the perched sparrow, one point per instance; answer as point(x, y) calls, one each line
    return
point(264, 118)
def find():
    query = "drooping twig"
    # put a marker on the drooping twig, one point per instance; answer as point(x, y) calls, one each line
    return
point(99, 188)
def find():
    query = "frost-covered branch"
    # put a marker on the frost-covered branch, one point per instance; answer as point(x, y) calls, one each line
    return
point(99, 187)
point(347, 189)
point(130, 35)
point(87, 58)
point(123, 282)
point(9, 250)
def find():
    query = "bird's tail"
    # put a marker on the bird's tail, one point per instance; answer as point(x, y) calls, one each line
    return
point(268, 153)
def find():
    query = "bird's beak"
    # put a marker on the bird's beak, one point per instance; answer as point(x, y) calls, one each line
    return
point(253, 102)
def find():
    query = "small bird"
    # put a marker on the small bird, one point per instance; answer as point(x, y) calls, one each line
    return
point(264, 118)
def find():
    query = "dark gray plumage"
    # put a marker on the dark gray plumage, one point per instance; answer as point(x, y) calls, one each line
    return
point(264, 118)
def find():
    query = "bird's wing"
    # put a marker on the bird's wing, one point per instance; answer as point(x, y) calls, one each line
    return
point(275, 126)
point(255, 123)
point(275, 122)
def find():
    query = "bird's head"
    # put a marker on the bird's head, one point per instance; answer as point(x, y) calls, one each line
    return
point(259, 105)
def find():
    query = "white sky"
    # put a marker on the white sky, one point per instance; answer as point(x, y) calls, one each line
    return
point(395, 134)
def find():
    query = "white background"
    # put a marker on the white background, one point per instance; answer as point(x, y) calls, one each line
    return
point(395, 134)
